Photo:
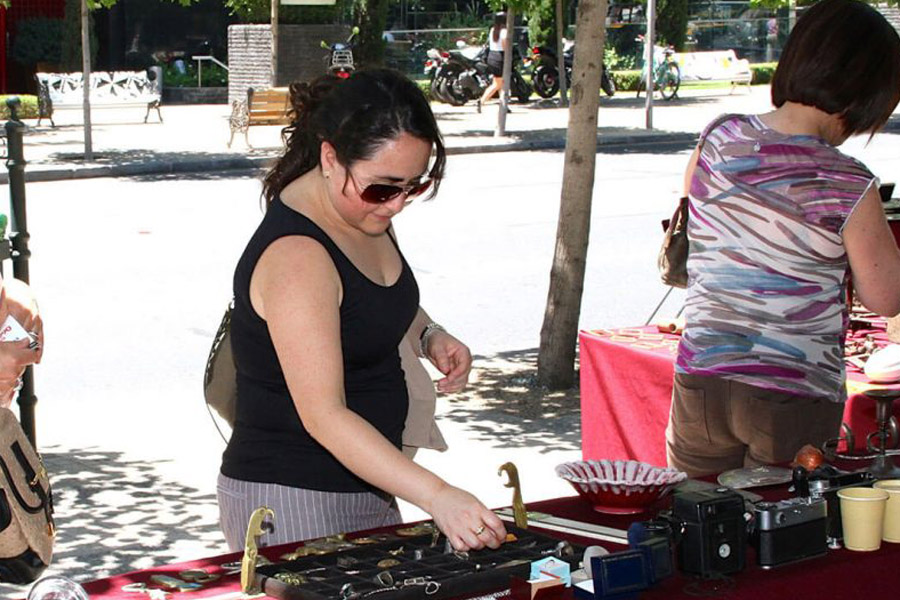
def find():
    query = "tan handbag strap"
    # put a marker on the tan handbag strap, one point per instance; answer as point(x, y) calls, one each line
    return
point(33, 479)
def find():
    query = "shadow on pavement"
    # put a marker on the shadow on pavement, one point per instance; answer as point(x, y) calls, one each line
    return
point(504, 404)
point(208, 175)
point(115, 515)
point(647, 147)
point(630, 100)
point(127, 156)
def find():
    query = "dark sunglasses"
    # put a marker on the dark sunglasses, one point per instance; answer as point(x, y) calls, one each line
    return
point(379, 193)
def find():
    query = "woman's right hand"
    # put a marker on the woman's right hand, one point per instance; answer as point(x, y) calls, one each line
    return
point(467, 523)
point(15, 356)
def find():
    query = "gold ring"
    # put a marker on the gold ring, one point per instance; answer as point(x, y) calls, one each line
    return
point(480, 530)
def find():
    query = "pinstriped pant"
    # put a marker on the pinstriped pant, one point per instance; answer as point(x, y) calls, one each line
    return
point(300, 514)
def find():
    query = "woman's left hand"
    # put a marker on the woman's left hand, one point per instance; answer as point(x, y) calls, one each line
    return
point(452, 358)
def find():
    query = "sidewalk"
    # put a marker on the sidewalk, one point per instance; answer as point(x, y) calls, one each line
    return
point(194, 138)
point(133, 456)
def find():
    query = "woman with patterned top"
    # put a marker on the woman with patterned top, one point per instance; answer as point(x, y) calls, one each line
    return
point(779, 218)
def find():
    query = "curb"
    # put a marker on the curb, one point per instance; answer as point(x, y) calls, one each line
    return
point(226, 163)
point(152, 167)
point(559, 143)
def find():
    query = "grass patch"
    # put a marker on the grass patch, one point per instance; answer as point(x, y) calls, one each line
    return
point(28, 107)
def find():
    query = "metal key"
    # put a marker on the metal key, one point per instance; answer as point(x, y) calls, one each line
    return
point(142, 588)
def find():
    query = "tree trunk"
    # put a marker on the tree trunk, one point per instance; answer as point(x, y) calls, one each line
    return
point(649, 43)
point(86, 79)
point(507, 71)
point(371, 17)
point(273, 23)
point(559, 334)
point(561, 62)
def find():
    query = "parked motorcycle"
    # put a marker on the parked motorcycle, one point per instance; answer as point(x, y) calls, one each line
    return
point(466, 75)
point(545, 77)
point(340, 56)
point(434, 71)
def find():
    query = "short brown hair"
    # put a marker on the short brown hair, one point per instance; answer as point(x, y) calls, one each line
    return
point(843, 58)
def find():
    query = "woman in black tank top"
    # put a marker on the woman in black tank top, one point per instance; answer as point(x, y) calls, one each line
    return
point(323, 298)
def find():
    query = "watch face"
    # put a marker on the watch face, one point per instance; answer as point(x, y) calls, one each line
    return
point(724, 550)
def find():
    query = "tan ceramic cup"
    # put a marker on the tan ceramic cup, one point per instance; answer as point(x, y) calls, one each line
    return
point(891, 531)
point(862, 517)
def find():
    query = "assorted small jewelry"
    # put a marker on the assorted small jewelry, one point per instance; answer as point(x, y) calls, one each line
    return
point(290, 578)
point(429, 586)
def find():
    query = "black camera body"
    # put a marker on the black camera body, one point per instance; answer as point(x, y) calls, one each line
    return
point(713, 531)
point(790, 530)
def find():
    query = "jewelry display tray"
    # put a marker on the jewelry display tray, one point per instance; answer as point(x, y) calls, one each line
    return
point(458, 574)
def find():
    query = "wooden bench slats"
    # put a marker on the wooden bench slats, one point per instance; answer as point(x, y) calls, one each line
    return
point(270, 106)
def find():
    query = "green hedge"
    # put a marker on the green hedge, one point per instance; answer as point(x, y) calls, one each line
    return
point(762, 72)
point(626, 80)
point(28, 108)
point(212, 74)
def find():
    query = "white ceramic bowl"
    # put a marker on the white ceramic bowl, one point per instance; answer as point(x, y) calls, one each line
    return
point(619, 486)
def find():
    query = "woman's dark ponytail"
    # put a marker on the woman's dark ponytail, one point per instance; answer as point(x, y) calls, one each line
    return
point(301, 139)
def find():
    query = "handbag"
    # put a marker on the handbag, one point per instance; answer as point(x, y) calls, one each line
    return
point(672, 259)
point(27, 530)
point(673, 254)
point(220, 376)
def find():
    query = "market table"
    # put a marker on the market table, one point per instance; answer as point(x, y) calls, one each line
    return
point(839, 574)
point(626, 392)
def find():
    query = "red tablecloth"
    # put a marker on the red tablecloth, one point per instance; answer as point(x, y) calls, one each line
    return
point(626, 392)
point(839, 574)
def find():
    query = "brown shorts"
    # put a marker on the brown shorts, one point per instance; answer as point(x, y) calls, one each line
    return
point(718, 424)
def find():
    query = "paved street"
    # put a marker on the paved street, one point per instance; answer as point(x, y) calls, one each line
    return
point(133, 273)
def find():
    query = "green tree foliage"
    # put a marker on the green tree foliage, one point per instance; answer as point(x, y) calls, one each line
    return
point(671, 22)
point(541, 17)
point(260, 11)
point(37, 40)
point(70, 59)
point(371, 17)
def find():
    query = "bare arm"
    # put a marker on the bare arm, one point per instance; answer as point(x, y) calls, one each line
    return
point(17, 300)
point(874, 256)
point(296, 289)
point(449, 355)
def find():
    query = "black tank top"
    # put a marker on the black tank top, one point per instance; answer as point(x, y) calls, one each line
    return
point(269, 443)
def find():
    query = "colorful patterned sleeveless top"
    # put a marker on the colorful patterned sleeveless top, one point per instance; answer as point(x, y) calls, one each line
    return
point(767, 269)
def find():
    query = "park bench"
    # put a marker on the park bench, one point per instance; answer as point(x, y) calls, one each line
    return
point(108, 90)
point(717, 65)
point(264, 106)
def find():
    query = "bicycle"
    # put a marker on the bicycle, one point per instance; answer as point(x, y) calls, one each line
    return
point(666, 72)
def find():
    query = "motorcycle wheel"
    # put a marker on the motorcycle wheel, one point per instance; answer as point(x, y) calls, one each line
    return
point(671, 82)
point(450, 90)
point(545, 81)
point(608, 84)
point(433, 89)
point(520, 89)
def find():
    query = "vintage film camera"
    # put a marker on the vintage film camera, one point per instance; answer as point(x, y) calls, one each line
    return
point(790, 530)
point(713, 531)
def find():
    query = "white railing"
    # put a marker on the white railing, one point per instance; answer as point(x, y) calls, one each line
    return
point(200, 60)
